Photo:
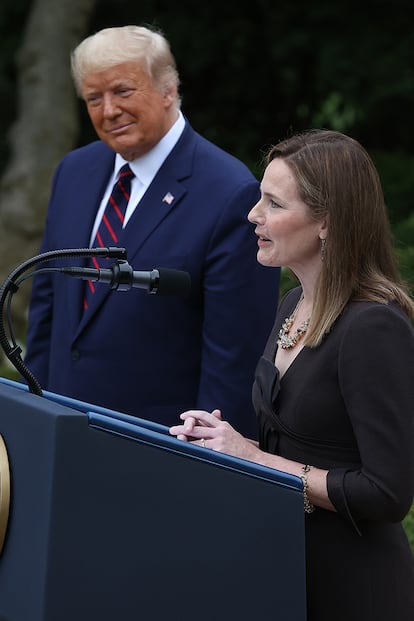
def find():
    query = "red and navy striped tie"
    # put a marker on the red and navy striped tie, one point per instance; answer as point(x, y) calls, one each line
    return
point(110, 227)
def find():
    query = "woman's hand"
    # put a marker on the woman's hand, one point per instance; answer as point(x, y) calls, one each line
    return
point(185, 431)
point(208, 430)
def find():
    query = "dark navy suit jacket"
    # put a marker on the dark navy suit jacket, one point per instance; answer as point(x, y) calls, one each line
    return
point(148, 355)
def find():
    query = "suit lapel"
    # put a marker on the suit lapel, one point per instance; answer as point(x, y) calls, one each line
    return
point(163, 195)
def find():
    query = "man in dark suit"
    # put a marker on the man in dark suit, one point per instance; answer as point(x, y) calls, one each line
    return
point(141, 354)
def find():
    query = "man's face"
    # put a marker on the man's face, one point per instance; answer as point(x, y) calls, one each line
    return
point(129, 113)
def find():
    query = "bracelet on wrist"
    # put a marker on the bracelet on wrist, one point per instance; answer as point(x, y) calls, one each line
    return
point(307, 505)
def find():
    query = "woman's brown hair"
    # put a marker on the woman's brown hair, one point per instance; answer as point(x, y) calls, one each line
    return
point(337, 180)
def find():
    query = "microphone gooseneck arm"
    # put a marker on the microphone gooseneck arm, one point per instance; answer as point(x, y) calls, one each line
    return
point(10, 286)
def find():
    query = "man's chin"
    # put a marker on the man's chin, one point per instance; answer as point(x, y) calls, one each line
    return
point(123, 145)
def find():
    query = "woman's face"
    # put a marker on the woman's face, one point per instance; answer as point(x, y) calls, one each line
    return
point(288, 236)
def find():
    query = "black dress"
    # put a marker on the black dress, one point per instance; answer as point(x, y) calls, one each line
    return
point(348, 406)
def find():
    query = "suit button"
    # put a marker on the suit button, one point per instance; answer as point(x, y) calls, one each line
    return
point(75, 355)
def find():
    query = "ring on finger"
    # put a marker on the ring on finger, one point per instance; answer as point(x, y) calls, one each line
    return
point(203, 442)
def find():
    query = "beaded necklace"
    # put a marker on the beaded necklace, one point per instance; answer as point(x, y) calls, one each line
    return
point(287, 341)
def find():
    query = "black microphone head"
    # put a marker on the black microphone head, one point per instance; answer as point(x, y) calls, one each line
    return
point(173, 282)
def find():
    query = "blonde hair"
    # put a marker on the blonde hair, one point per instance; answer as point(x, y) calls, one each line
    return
point(337, 180)
point(112, 46)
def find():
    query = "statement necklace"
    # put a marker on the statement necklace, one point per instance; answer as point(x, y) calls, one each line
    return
point(287, 341)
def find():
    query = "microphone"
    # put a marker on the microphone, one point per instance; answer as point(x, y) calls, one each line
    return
point(121, 277)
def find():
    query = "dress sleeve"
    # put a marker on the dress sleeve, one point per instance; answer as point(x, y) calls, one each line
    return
point(376, 376)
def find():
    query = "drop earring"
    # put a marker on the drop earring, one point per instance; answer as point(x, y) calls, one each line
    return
point(323, 248)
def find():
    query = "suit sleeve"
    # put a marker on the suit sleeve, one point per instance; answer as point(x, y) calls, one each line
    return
point(38, 334)
point(376, 373)
point(240, 300)
point(41, 311)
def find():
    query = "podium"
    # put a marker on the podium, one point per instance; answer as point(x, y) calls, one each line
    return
point(111, 518)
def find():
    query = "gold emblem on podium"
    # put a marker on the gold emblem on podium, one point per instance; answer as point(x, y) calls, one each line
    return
point(4, 491)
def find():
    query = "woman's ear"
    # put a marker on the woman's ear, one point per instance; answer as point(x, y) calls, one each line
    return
point(323, 229)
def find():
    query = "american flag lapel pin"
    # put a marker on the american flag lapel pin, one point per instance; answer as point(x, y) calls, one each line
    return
point(168, 198)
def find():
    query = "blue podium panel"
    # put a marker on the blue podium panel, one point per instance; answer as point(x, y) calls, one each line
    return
point(112, 518)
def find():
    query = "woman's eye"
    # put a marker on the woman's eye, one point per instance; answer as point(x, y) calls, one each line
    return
point(274, 205)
